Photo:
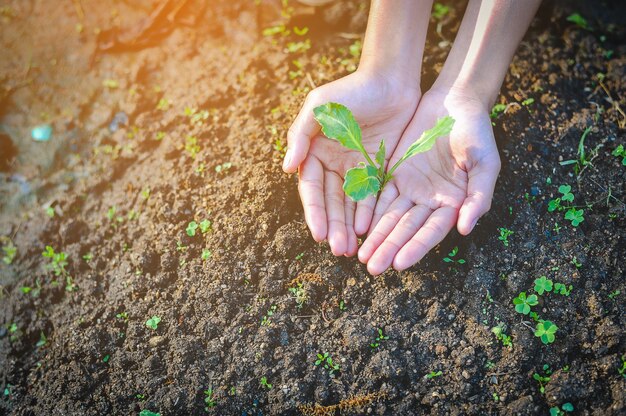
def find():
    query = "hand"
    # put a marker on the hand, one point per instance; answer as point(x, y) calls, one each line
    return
point(451, 183)
point(383, 106)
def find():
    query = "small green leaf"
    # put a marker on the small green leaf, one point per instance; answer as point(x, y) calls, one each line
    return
point(339, 124)
point(443, 127)
point(362, 181)
point(380, 155)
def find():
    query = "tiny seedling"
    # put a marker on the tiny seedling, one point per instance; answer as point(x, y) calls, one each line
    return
point(224, 167)
point(620, 151)
point(326, 361)
point(9, 250)
point(505, 339)
point(505, 233)
point(563, 289)
point(542, 381)
point(434, 374)
point(622, 371)
point(565, 408)
point(578, 20)
point(266, 321)
point(545, 330)
point(338, 123)
point(566, 195)
point(43, 340)
point(265, 384)
point(576, 263)
point(299, 294)
point(153, 323)
point(576, 216)
point(583, 160)
point(614, 294)
point(206, 254)
point(523, 303)
point(380, 337)
point(209, 399)
point(146, 412)
point(123, 316)
point(543, 284)
point(191, 228)
point(191, 146)
point(451, 255)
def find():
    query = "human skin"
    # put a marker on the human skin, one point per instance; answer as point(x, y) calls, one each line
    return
point(383, 95)
point(453, 183)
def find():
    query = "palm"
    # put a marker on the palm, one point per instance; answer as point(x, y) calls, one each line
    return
point(432, 191)
point(383, 113)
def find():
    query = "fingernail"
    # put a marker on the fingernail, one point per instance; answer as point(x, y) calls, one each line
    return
point(473, 225)
point(287, 160)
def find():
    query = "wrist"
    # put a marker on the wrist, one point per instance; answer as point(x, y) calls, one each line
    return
point(397, 80)
point(467, 89)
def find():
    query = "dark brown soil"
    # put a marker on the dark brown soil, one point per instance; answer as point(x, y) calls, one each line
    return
point(125, 199)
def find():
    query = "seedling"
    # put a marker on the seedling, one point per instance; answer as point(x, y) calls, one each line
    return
point(523, 303)
point(614, 294)
point(153, 323)
point(380, 337)
point(43, 340)
point(620, 151)
point(565, 408)
point(434, 374)
point(191, 228)
point(505, 339)
point(266, 321)
point(209, 399)
point(451, 259)
point(146, 412)
point(299, 294)
point(542, 380)
point(206, 254)
point(338, 123)
point(496, 111)
point(224, 167)
point(122, 316)
point(58, 261)
point(576, 216)
point(562, 289)
point(528, 102)
point(9, 250)
point(265, 384)
point(543, 284)
point(327, 361)
point(578, 20)
point(622, 371)
point(576, 263)
point(545, 330)
point(505, 233)
point(582, 161)
point(555, 204)
point(191, 146)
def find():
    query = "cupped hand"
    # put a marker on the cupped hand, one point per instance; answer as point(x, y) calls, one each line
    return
point(383, 106)
point(451, 184)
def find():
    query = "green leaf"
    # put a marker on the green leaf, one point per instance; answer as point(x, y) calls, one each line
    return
point(568, 407)
point(443, 127)
point(361, 182)
point(339, 124)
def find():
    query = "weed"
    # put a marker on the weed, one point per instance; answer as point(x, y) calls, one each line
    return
point(505, 233)
point(299, 294)
point(565, 408)
point(9, 250)
point(265, 384)
point(543, 284)
point(499, 332)
point(153, 323)
point(380, 337)
point(582, 161)
point(338, 123)
point(523, 303)
point(620, 152)
point(434, 374)
point(545, 330)
point(451, 259)
point(326, 361)
point(58, 261)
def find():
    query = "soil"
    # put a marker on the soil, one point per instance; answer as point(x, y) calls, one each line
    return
point(117, 199)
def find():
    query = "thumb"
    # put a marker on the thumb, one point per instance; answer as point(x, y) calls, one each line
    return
point(480, 186)
point(302, 130)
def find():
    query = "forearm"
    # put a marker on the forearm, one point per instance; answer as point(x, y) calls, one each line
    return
point(395, 38)
point(484, 47)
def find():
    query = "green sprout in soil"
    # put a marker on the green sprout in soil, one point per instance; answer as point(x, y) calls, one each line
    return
point(434, 374)
point(342, 305)
point(505, 233)
point(543, 380)
point(576, 263)
point(192, 227)
point(338, 123)
point(614, 294)
point(191, 146)
point(299, 294)
point(9, 250)
point(620, 151)
point(545, 330)
point(122, 316)
point(224, 167)
point(266, 321)
point(582, 161)
point(565, 408)
point(578, 20)
point(58, 261)
point(543, 284)
point(146, 412)
point(153, 323)
point(265, 384)
point(326, 361)
point(523, 303)
point(496, 111)
point(622, 371)
point(563, 289)
point(576, 216)
point(528, 102)
point(43, 340)
point(206, 254)
point(440, 11)
point(451, 259)
point(380, 337)
point(209, 399)
point(501, 336)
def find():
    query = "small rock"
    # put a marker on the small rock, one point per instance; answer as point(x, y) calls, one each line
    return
point(156, 341)
point(465, 375)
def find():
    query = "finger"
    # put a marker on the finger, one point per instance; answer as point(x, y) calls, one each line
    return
point(432, 232)
point(480, 186)
point(363, 215)
point(387, 223)
point(352, 244)
point(386, 198)
point(406, 228)
point(311, 189)
point(334, 198)
point(299, 136)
